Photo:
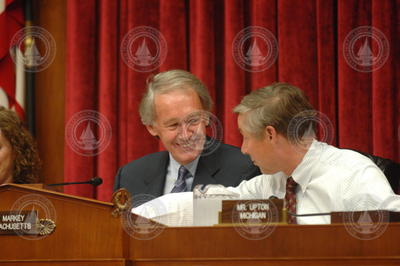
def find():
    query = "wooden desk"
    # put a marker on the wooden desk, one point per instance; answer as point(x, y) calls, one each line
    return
point(287, 245)
point(87, 234)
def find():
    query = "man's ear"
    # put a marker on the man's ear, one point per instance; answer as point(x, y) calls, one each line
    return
point(152, 130)
point(270, 133)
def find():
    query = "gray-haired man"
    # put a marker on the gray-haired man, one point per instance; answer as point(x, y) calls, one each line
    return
point(176, 109)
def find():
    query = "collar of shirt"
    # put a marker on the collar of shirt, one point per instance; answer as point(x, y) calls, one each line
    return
point(174, 165)
point(307, 168)
point(172, 173)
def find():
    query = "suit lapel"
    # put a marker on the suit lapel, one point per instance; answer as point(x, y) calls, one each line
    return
point(207, 167)
point(156, 179)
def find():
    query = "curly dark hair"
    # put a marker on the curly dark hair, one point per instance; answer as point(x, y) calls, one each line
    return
point(27, 163)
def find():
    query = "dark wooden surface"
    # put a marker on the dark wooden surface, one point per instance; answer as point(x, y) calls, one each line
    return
point(287, 245)
point(50, 92)
point(85, 229)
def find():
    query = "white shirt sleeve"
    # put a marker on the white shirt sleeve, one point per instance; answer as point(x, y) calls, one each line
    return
point(258, 187)
point(367, 190)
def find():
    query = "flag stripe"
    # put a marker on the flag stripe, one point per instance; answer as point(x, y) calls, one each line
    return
point(20, 78)
point(2, 6)
point(12, 77)
point(3, 98)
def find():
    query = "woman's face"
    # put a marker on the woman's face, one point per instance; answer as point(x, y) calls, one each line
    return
point(6, 160)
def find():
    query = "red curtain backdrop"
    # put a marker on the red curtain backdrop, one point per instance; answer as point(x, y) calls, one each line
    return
point(362, 106)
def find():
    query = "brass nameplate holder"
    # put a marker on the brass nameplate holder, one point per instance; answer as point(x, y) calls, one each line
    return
point(24, 223)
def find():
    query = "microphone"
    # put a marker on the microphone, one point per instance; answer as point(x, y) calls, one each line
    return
point(95, 181)
point(309, 214)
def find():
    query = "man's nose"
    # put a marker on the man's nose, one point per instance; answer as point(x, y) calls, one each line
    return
point(185, 130)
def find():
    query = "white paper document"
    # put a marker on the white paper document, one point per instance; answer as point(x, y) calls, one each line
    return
point(200, 208)
point(174, 209)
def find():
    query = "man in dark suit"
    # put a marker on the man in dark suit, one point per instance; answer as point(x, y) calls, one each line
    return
point(176, 109)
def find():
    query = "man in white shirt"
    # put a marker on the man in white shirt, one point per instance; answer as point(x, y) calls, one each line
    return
point(277, 123)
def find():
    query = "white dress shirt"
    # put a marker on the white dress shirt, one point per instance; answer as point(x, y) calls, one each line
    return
point(173, 170)
point(330, 179)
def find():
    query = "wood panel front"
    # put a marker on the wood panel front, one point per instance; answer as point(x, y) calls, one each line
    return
point(87, 234)
point(85, 229)
point(50, 92)
point(286, 245)
point(271, 262)
point(105, 262)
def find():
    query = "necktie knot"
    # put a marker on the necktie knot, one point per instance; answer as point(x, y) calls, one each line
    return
point(291, 185)
point(182, 172)
point(180, 184)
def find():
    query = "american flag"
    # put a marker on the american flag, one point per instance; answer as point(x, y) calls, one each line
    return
point(12, 81)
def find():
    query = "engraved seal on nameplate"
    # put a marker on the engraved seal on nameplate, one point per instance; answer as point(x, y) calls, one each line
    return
point(121, 200)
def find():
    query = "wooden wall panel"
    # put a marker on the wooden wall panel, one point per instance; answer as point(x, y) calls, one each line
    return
point(50, 86)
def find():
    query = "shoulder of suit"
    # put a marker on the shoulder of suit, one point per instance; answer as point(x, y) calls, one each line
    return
point(226, 147)
point(232, 152)
point(230, 149)
point(147, 160)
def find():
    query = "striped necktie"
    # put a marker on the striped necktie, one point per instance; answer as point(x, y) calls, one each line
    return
point(180, 183)
point(290, 199)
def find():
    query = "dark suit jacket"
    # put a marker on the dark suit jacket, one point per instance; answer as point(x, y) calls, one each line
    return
point(226, 166)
